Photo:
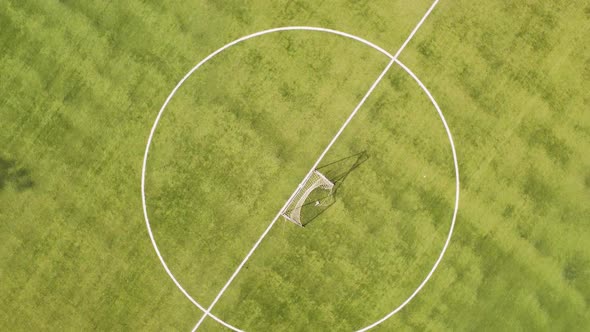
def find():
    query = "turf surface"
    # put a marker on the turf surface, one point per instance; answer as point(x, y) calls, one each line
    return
point(81, 84)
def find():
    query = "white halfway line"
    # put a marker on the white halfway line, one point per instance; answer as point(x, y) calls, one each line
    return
point(356, 109)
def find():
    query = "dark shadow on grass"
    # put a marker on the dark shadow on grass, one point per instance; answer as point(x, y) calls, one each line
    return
point(11, 173)
point(337, 172)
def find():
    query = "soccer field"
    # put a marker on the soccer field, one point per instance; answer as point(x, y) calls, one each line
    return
point(97, 234)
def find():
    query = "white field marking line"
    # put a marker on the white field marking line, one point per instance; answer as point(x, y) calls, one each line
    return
point(350, 117)
point(394, 58)
point(456, 209)
point(231, 279)
point(161, 112)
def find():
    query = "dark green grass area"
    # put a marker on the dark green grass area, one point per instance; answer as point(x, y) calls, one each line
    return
point(81, 83)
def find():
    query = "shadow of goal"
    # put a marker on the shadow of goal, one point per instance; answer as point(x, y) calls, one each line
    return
point(318, 193)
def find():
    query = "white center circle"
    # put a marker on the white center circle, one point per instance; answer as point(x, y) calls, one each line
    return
point(316, 29)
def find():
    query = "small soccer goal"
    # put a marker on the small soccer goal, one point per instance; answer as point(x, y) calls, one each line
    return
point(302, 197)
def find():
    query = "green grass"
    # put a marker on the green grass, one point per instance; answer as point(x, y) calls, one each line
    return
point(81, 84)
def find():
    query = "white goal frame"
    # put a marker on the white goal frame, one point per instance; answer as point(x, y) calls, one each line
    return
point(316, 180)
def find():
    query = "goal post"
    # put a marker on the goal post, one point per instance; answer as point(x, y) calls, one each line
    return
point(315, 180)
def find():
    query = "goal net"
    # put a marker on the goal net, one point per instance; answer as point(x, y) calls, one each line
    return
point(316, 180)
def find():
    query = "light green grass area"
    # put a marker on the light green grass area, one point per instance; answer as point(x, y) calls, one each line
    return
point(82, 82)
